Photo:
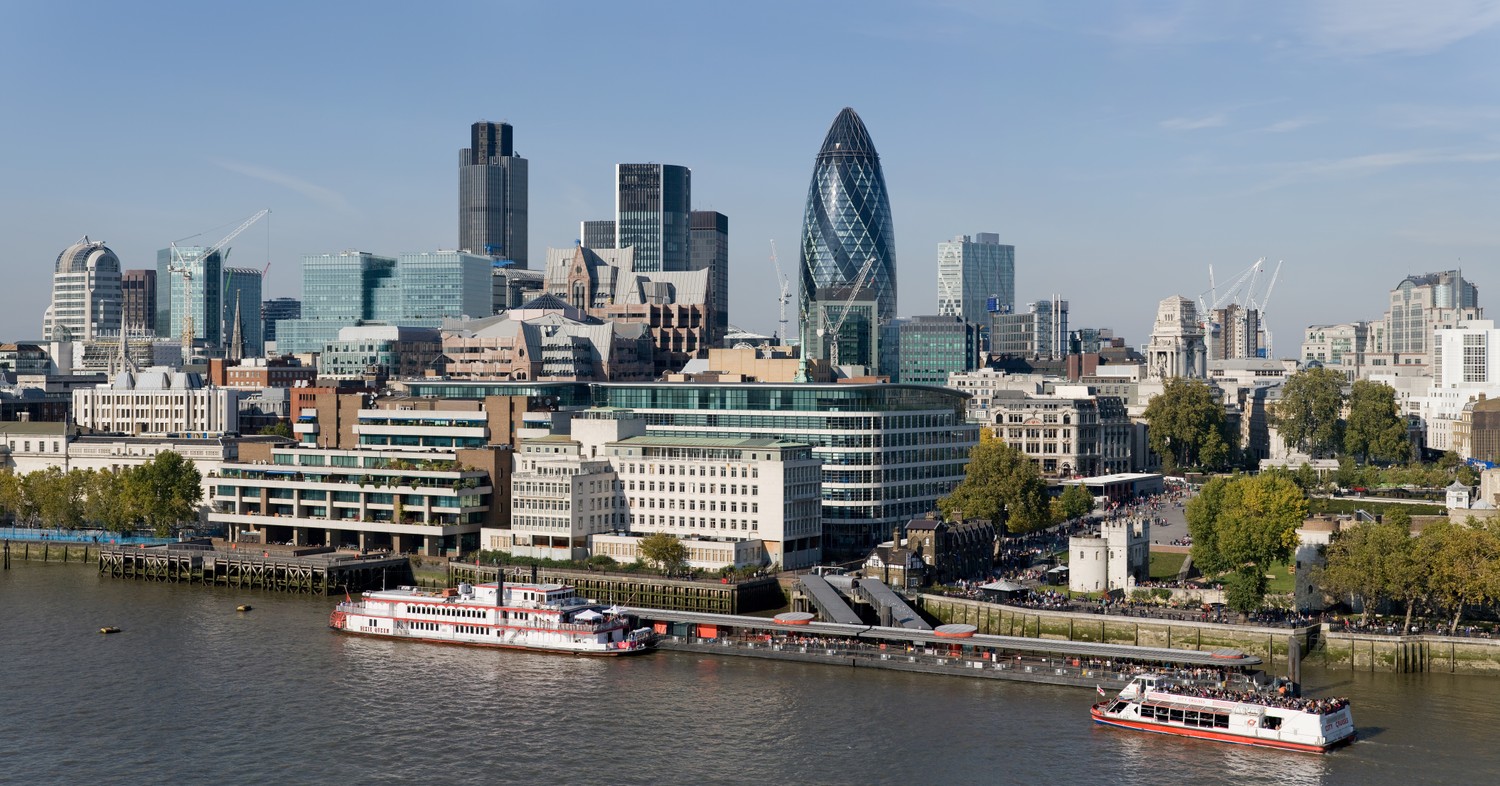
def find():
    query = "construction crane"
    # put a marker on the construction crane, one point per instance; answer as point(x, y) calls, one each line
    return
point(834, 329)
point(1260, 306)
point(784, 297)
point(178, 264)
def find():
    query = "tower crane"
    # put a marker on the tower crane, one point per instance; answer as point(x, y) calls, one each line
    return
point(832, 331)
point(180, 265)
point(1260, 305)
point(784, 297)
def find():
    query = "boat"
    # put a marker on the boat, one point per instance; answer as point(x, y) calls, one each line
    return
point(543, 617)
point(109, 629)
point(1270, 717)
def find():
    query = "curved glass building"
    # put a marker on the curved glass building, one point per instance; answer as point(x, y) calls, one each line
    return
point(847, 222)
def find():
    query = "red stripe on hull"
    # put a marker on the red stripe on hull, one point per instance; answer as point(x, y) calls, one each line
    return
point(498, 646)
point(1200, 734)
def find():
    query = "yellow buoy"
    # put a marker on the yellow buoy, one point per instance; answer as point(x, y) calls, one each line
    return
point(109, 629)
point(245, 607)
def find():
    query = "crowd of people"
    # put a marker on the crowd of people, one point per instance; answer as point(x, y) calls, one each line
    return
point(1281, 698)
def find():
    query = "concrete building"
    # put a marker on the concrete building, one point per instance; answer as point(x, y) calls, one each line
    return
point(1176, 347)
point(769, 363)
point(157, 402)
point(492, 196)
point(548, 340)
point(86, 294)
point(138, 301)
point(1068, 431)
point(710, 251)
point(1340, 347)
point(935, 347)
point(1417, 307)
point(382, 352)
point(1233, 333)
point(1114, 560)
point(1040, 331)
point(1465, 367)
point(976, 277)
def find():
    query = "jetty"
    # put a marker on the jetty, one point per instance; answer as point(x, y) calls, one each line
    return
point(316, 573)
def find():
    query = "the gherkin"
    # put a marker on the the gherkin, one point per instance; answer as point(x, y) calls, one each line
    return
point(847, 222)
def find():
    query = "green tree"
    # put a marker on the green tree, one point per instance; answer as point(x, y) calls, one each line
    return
point(165, 492)
point(664, 551)
point(1076, 501)
point(12, 496)
point(1001, 484)
point(1370, 561)
point(280, 428)
point(106, 502)
point(1245, 525)
point(1465, 565)
point(1375, 430)
point(1187, 426)
point(1307, 416)
point(1244, 589)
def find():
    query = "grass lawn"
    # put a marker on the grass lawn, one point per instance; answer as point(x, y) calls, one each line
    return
point(1282, 579)
point(1164, 567)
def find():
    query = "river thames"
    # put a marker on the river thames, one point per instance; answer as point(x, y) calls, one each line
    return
point(192, 691)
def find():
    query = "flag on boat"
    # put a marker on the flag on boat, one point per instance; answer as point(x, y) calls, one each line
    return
point(1101, 690)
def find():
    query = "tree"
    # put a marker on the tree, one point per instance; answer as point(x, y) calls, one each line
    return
point(280, 428)
point(1076, 501)
point(12, 497)
point(1307, 416)
point(1465, 565)
point(1187, 427)
point(1375, 430)
point(165, 491)
point(664, 551)
point(1000, 484)
point(106, 502)
point(1246, 525)
point(1371, 561)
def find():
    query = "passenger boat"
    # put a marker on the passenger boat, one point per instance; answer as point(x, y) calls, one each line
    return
point(1253, 716)
point(546, 617)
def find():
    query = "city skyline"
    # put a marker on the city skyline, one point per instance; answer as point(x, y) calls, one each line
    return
point(1126, 144)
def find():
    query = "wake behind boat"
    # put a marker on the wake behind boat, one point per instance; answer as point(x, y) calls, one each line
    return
point(1264, 718)
point(547, 617)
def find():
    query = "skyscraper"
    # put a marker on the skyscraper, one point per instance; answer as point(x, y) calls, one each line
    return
point(492, 195)
point(847, 223)
point(201, 288)
point(242, 295)
point(710, 251)
point(652, 206)
point(138, 300)
point(597, 234)
point(85, 294)
point(970, 272)
point(277, 309)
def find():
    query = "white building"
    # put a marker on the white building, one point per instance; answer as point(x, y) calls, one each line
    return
point(86, 294)
point(971, 272)
point(157, 401)
point(1465, 365)
point(1176, 347)
point(1116, 559)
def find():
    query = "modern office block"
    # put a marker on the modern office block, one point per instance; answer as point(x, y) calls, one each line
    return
point(492, 195)
point(976, 276)
point(85, 294)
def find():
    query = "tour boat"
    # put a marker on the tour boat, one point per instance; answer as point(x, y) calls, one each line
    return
point(547, 617)
point(1263, 718)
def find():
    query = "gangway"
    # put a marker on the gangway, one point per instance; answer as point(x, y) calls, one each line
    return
point(884, 601)
point(830, 605)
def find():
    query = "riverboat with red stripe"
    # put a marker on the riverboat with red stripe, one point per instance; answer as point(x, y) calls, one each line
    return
point(1268, 718)
point(544, 617)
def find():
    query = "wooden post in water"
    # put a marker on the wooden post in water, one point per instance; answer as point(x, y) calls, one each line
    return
point(7, 555)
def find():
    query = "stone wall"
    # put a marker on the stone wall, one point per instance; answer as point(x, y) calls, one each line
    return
point(1456, 655)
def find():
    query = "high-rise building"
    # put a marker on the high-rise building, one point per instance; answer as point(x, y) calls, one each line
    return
point(201, 286)
point(976, 277)
point(242, 296)
point(277, 309)
point(597, 234)
point(710, 251)
point(652, 206)
point(1233, 333)
point(492, 195)
point(85, 294)
point(847, 223)
point(1418, 306)
point(1039, 332)
point(138, 300)
point(932, 347)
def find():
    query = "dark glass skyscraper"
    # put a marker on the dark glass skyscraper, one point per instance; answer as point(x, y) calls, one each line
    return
point(492, 195)
point(652, 203)
point(710, 240)
point(847, 222)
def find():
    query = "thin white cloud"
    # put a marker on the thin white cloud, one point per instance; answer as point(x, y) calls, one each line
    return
point(1372, 163)
point(323, 196)
point(1288, 125)
point(1214, 120)
point(1376, 27)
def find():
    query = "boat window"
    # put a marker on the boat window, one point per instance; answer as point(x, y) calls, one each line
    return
point(1117, 706)
point(1221, 721)
point(1176, 716)
point(1271, 722)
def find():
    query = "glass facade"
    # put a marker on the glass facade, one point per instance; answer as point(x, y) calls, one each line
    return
point(440, 284)
point(652, 203)
point(278, 309)
point(207, 277)
point(847, 222)
point(975, 277)
point(710, 251)
point(242, 291)
point(932, 347)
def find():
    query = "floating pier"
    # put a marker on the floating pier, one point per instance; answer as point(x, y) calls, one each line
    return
point(315, 574)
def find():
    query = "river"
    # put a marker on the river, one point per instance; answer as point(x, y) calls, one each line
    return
point(192, 691)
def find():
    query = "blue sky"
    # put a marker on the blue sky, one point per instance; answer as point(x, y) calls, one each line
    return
point(1122, 147)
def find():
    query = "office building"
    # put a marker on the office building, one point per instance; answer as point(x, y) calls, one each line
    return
point(242, 322)
point(1234, 333)
point(86, 296)
point(377, 353)
point(652, 207)
point(184, 275)
point(274, 310)
point(1417, 307)
point(513, 286)
point(847, 223)
point(597, 234)
point(138, 302)
point(492, 194)
point(1039, 332)
point(710, 251)
point(976, 277)
point(157, 401)
point(933, 347)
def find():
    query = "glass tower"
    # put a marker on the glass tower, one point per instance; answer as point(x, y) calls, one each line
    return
point(206, 296)
point(710, 239)
point(652, 204)
point(847, 223)
point(492, 194)
point(971, 273)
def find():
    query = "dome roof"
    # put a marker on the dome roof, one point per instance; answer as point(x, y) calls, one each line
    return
point(848, 137)
point(78, 257)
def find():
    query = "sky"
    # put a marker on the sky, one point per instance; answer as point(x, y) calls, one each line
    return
point(1124, 148)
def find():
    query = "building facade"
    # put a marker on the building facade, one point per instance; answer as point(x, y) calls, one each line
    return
point(1039, 332)
point(242, 320)
point(976, 277)
point(653, 203)
point(275, 310)
point(492, 195)
point(138, 301)
point(157, 402)
point(381, 352)
point(86, 294)
point(1177, 347)
point(1114, 560)
point(710, 251)
point(1418, 306)
point(847, 222)
point(934, 347)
